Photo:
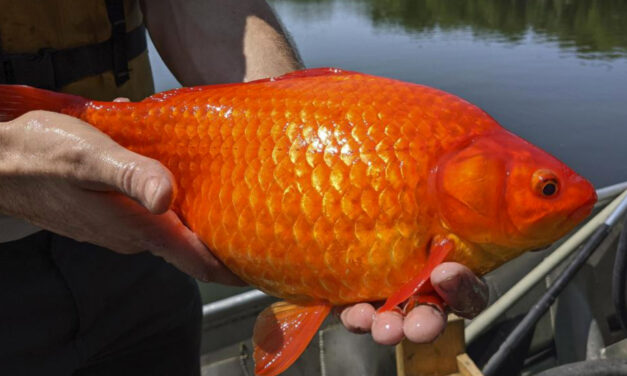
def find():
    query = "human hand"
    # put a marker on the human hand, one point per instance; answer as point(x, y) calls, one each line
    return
point(464, 293)
point(66, 176)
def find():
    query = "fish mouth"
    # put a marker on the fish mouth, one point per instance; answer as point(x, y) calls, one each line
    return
point(583, 211)
point(565, 224)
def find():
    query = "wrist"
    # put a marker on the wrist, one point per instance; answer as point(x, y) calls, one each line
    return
point(9, 141)
point(5, 141)
point(7, 131)
point(6, 138)
point(4, 127)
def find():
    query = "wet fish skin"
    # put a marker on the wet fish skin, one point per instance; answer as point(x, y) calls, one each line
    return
point(327, 187)
point(314, 185)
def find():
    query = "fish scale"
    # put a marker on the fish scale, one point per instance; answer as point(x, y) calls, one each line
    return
point(308, 187)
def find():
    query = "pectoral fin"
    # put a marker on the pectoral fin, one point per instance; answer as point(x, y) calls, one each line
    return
point(422, 283)
point(282, 332)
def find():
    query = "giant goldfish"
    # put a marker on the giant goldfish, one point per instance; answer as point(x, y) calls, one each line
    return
point(326, 187)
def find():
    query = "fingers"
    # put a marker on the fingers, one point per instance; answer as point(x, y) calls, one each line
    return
point(118, 223)
point(96, 158)
point(179, 246)
point(424, 324)
point(387, 328)
point(52, 144)
point(64, 161)
point(163, 235)
point(464, 293)
point(358, 318)
point(143, 179)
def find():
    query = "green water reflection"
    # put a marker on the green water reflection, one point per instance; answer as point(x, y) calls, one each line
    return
point(552, 71)
point(596, 29)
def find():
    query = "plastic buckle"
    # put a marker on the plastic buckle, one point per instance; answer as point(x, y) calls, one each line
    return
point(32, 69)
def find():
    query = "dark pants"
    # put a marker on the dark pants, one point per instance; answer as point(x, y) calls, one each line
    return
point(69, 308)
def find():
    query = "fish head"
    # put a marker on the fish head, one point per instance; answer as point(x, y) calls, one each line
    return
point(507, 196)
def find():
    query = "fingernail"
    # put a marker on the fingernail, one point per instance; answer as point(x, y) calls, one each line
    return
point(450, 284)
point(473, 300)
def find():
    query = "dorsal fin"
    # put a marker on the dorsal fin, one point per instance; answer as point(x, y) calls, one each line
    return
point(282, 332)
point(304, 73)
point(314, 72)
point(164, 95)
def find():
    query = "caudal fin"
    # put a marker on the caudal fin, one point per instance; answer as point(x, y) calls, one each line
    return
point(16, 100)
point(282, 332)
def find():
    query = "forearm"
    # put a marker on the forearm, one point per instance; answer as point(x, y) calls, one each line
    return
point(214, 41)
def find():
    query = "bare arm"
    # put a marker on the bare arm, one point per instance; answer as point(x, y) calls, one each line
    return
point(216, 41)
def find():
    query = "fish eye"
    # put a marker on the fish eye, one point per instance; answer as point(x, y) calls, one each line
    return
point(545, 183)
point(550, 188)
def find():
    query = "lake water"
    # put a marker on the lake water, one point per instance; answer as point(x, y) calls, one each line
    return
point(553, 72)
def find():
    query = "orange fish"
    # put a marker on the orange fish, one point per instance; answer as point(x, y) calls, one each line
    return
point(326, 187)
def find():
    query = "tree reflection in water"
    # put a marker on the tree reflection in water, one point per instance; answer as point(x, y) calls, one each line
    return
point(593, 28)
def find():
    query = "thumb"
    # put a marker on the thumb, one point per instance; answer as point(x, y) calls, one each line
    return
point(464, 293)
point(179, 246)
point(143, 179)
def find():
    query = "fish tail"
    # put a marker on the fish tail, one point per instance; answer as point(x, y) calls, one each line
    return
point(282, 332)
point(16, 100)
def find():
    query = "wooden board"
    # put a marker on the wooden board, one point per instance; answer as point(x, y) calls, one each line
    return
point(466, 366)
point(444, 357)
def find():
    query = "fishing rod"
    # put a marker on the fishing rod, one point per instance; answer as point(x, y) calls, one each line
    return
point(529, 322)
point(619, 278)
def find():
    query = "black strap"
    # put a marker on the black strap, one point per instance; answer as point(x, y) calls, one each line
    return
point(115, 11)
point(53, 69)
